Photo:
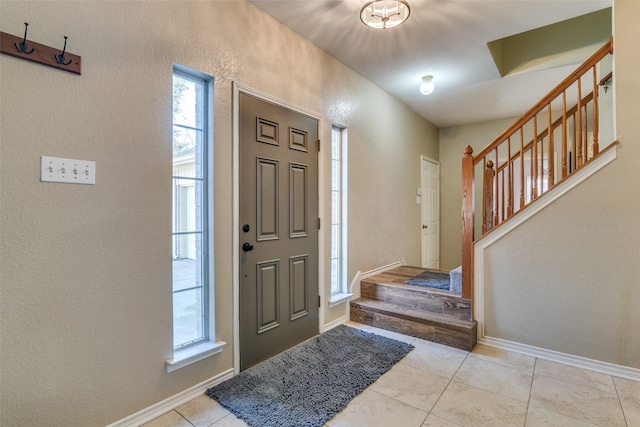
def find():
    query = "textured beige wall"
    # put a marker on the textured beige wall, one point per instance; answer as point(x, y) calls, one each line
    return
point(568, 279)
point(84, 270)
point(452, 142)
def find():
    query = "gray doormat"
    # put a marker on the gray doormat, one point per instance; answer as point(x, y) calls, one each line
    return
point(431, 279)
point(308, 384)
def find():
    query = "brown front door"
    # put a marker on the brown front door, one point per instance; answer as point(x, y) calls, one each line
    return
point(278, 229)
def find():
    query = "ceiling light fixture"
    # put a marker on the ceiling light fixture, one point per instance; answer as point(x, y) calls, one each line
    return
point(384, 13)
point(427, 86)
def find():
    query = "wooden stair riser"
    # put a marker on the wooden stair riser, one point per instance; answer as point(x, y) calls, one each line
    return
point(419, 298)
point(439, 334)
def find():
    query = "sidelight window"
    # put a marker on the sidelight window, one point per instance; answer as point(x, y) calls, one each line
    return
point(192, 219)
point(190, 242)
point(338, 215)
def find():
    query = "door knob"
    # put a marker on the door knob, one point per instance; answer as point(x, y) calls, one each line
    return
point(247, 247)
point(425, 226)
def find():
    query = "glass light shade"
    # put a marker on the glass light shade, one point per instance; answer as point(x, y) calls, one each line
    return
point(384, 13)
point(427, 86)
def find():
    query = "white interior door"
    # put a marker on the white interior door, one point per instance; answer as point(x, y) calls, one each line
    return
point(430, 208)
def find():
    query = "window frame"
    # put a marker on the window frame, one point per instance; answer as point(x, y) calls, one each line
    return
point(189, 352)
point(339, 292)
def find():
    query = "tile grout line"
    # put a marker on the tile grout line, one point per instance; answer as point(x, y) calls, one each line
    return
point(413, 340)
point(220, 420)
point(397, 400)
point(183, 417)
point(570, 383)
point(533, 375)
point(615, 387)
point(445, 389)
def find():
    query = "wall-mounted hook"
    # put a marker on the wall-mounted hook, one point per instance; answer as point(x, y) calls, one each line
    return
point(607, 82)
point(22, 47)
point(60, 59)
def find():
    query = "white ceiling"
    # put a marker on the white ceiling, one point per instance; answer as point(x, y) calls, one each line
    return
point(445, 38)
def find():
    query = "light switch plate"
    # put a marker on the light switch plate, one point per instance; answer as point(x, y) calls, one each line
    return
point(71, 171)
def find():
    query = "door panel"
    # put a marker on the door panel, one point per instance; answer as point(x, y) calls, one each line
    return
point(267, 206)
point(298, 203)
point(268, 299)
point(267, 131)
point(298, 140)
point(430, 208)
point(299, 286)
point(278, 209)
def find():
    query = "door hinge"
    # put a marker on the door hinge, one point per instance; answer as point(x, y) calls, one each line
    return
point(319, 304)
point(318, 223)
point(318, 145)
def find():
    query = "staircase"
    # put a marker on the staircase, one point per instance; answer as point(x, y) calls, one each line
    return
point(545, 148)
point(556, 138)
point(431, 314)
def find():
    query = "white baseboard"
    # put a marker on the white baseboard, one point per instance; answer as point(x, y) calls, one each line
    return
point(564, 358)
point(354, 288)
point(335, 323)
point(171, 403)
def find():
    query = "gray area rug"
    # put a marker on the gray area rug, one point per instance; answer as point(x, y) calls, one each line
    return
point(308, 384)
point(431, 279)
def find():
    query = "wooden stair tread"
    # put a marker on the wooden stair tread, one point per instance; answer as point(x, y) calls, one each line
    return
point(426, 317)
point(399, 275)
point(415, 288)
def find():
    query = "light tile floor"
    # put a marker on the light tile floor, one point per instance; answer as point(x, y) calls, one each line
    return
point(439, 386)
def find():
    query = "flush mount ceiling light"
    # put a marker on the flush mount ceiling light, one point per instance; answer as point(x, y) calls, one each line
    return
point(427, 86)
point(384, 13)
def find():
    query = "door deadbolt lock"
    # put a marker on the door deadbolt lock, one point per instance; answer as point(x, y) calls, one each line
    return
point(246, 228)
point(424, 226)
point(247, 247)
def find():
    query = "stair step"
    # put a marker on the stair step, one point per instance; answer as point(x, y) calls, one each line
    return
point(417, 297)
point(439, 328)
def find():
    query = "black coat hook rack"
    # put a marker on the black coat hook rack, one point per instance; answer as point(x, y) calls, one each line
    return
point(35, 52)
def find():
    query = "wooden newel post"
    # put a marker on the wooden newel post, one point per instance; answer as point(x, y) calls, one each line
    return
point(487, 201)
point(467, 223)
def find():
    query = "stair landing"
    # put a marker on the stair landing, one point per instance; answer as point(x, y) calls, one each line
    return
point(432, 314)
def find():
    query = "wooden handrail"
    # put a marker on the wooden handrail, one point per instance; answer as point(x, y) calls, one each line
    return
point(502, 179)
point(543, 134)
point(557, 91)
point(606, 78)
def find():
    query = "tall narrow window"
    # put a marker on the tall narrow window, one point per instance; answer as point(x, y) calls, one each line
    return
point(338, 215)
point(190, 209)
